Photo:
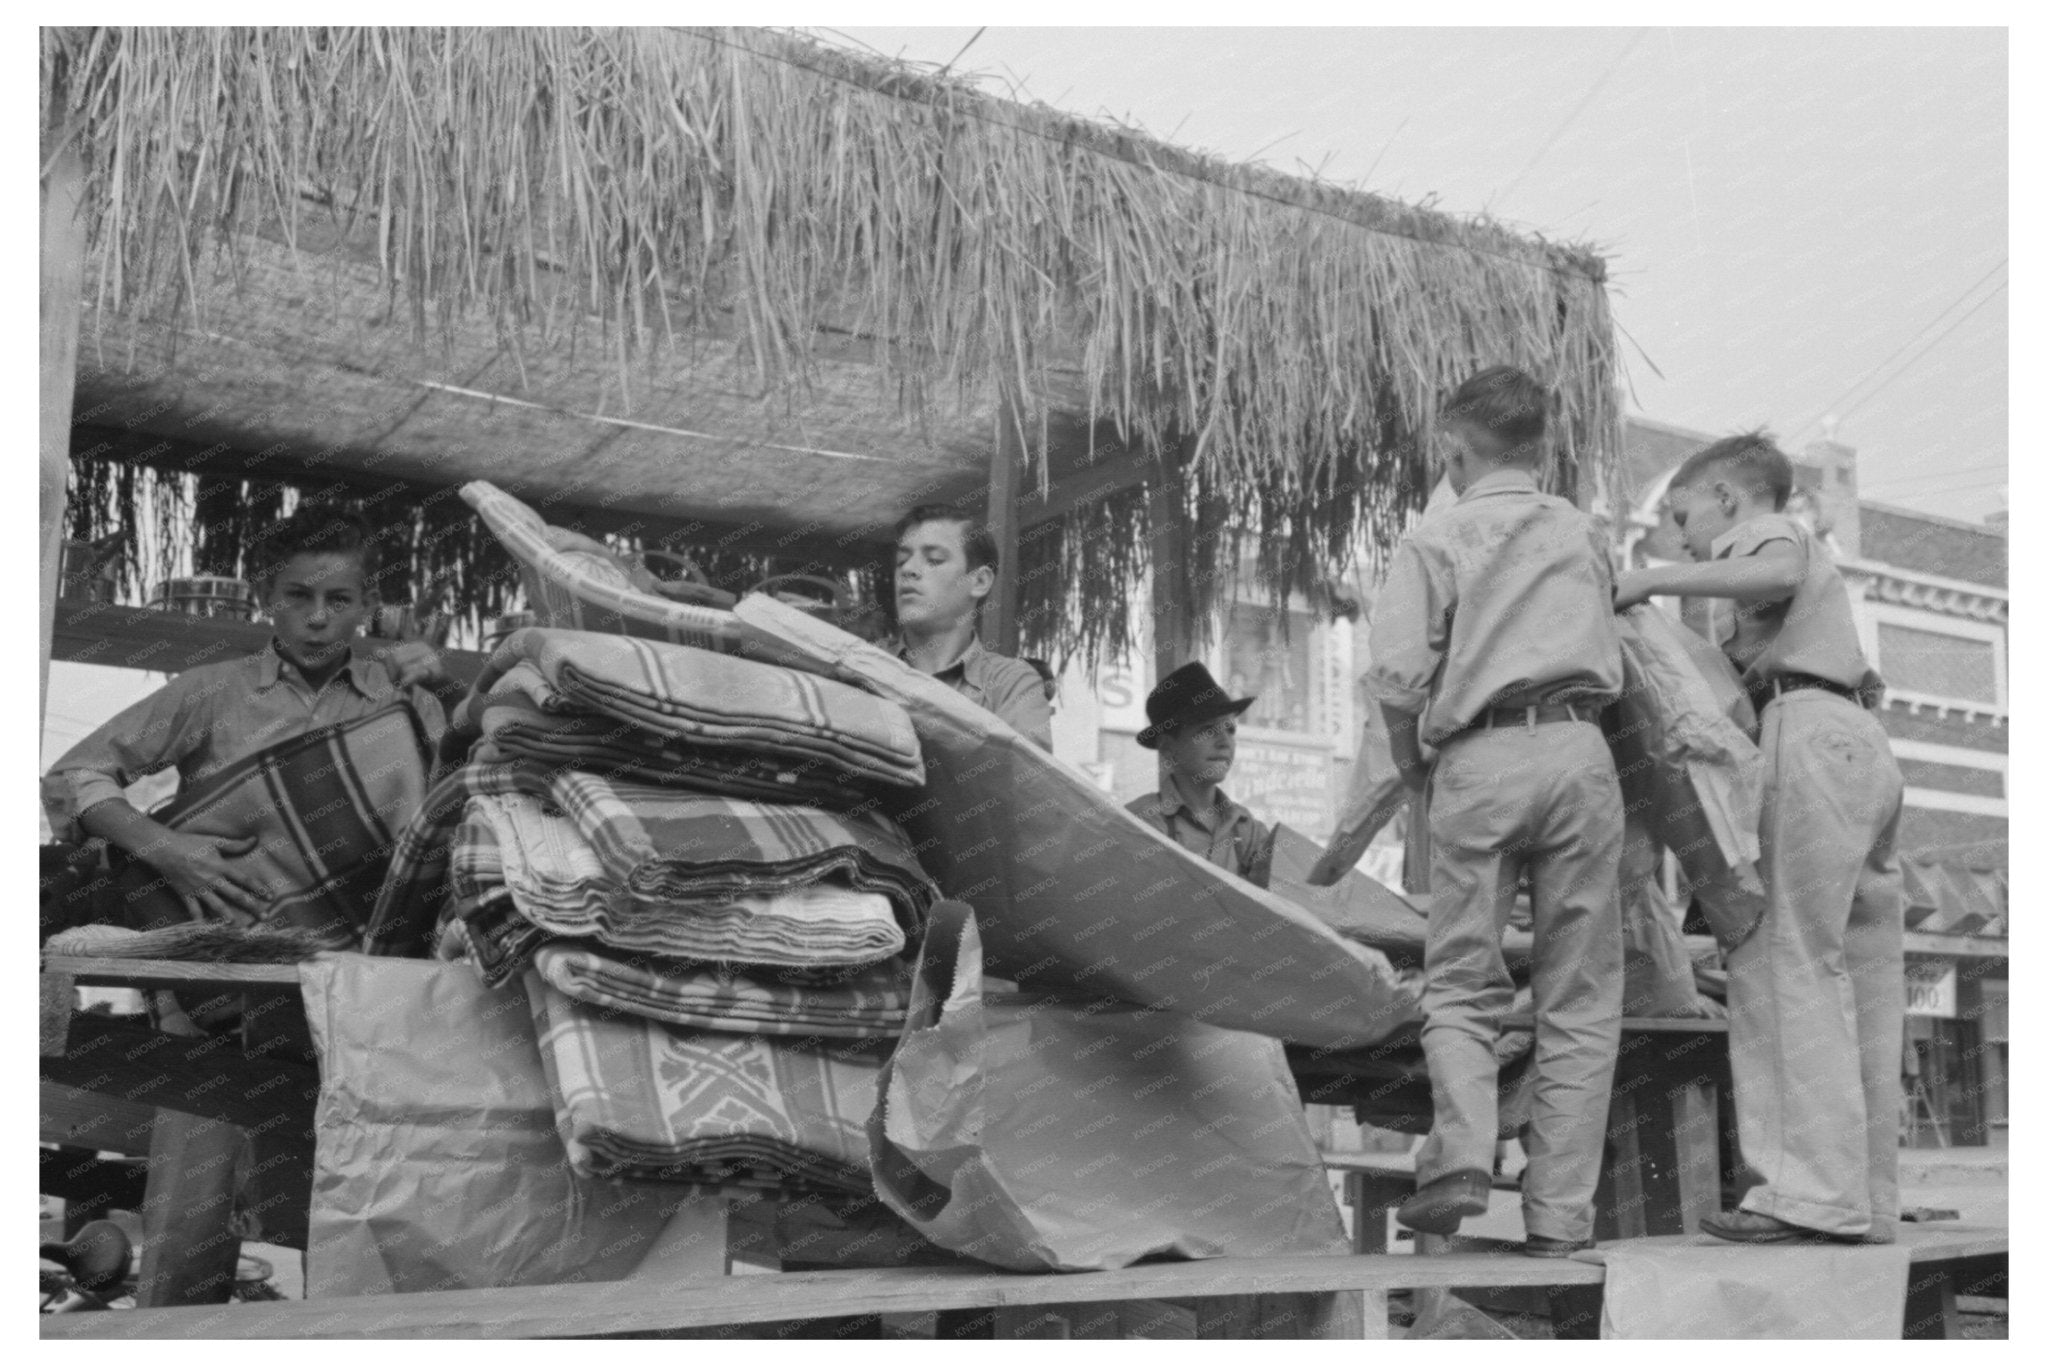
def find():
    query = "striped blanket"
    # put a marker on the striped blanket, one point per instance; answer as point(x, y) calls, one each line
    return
point(517, 725)
point(868, 1006)
point(324, 808)
point(647, 1101)
point(718, 701)
point(558, 883)
point(658, 845)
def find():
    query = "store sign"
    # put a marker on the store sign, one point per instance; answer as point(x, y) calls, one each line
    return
point(1284, 784)
point(1931, 990)
point(1121, 689)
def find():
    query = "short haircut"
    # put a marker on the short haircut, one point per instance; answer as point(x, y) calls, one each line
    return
point(1751, 459)
point(1503, 402)
point(974, 537)
point(316, 529)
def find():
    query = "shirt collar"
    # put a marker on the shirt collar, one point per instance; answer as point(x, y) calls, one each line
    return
point(1509, 480)
point(364, 675)
point(969, 662)
point(1171, 801)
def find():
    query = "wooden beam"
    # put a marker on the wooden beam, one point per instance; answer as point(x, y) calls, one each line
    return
point(171, 642)
point(1173, 627)
point(1003, 474)
point(1079, 487)
point(806, 551)
point(62, 268)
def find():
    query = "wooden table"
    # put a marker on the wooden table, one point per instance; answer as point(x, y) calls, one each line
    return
point(1664, 1159)
point(214, 1122)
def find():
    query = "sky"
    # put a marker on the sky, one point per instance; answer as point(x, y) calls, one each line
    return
point(1798, 222)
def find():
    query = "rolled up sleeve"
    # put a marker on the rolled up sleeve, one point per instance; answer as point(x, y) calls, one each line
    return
point(1018, 696)
point(147, 738)
point(1410, 628)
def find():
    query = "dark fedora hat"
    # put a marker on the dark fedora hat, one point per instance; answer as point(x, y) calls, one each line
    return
point(1187, 696)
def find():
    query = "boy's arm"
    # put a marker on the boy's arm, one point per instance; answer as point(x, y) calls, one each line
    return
point(1410, 632)
point(1406, 744)
point(84, 793)
point(1771, 574)
point(202, 868)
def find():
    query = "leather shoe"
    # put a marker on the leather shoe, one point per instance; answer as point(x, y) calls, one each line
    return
point(1439, 1206)
point(1538, 1245)
point(1747, 1226)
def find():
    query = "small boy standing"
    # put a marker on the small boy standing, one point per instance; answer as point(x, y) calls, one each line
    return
point(1816, 994)
point(1494, 642)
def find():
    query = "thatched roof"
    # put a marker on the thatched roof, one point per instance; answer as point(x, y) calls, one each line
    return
point(771, 291)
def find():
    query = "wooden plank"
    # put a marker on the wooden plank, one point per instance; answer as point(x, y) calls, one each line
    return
point(1173, 632)
point(165, 972)
point(630, 1306)
point(78, 1118)
point(189, 1245)
point(53, 1012)
point(61, 271)
point(171, 642)
point(1078, 487)
point(1636, 1024)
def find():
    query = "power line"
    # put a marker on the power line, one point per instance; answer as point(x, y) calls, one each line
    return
point(1932, 343)
point(1577, 109)
point(1864, 378)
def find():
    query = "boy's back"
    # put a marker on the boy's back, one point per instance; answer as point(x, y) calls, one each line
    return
point(1502, 600)
point(1495, 628)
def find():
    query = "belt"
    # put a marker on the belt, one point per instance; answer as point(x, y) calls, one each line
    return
point(1762, 694)
point(1493, 718)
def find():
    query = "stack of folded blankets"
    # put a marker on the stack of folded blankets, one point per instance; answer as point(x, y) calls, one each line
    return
point(680, 856)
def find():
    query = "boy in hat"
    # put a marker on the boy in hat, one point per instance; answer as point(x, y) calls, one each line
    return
point(945, 566)
point(1816, 994)
point(1194, 729)
point(1493, 642)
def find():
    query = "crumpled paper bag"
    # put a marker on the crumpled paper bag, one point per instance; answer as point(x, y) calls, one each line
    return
point(1039, 1134)
point(1688, 770)
point(437, 1162)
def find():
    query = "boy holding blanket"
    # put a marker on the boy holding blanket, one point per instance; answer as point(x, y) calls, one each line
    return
point(315, 571)
point(1816, 994)
point(1494, 642)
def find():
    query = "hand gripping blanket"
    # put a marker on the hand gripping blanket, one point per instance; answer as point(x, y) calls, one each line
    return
point(558, 883)
point(868, 1006)
point(638, 1099)
point(522, 719)
point(324, 808)
point(718, 701)
point(658, 845)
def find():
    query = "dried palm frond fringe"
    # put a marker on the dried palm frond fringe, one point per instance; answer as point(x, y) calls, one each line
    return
point(199, 942)
point(1289, 340)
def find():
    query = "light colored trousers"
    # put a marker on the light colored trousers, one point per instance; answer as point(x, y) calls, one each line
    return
point(1817, 993)
point(1542, 798)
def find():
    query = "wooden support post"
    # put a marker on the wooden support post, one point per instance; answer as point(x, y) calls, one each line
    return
point(692, 1244)
point(189, 1244)
point(57, 294)
point(1003, 475)
point(1173, 633)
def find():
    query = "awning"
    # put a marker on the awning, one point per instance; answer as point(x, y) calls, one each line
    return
point(1949, 899)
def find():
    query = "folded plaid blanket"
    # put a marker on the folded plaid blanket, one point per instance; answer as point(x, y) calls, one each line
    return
point(720, 701)
point(638, 1099)
point(658, 845)
point(523, 718)
point(868, 1006)
point(323, 806)
point(558, 883)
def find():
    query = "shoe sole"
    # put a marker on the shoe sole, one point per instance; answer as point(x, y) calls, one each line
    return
point(1442, 1220)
